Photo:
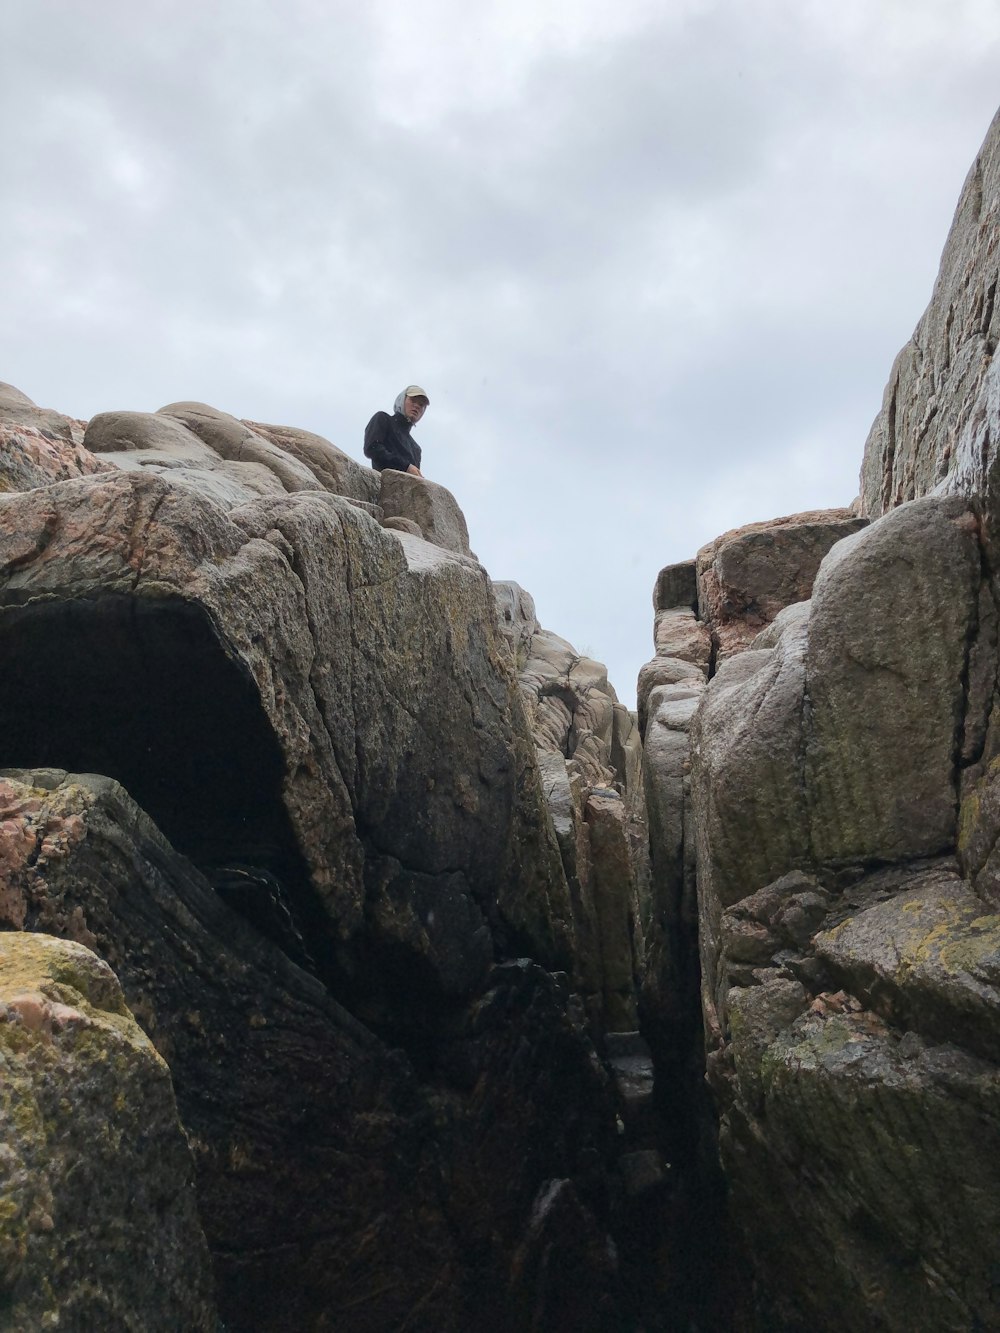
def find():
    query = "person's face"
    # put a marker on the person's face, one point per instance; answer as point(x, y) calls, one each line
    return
point(414, 409)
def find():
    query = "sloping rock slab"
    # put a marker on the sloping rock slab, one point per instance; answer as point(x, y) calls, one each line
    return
point(100, 1228)
point(337, 471)
point(30, 457)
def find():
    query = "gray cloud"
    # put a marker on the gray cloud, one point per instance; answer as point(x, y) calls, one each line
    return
point(653, 267)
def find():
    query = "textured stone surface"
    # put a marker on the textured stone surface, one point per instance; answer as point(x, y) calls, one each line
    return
point(864, 1170)
point(663, 671)
point(337, 471)
point(940, 416)
point(745, 577)
point(335, 1187)
point(928, 958)
point(100, 1228)
point(893, 613)
point(676, 585)
point(17, 409)
point(161, 445)
point(432, 507)
point(301, 692)
point(678, 634)
point(31, 457)
point(590, 755)
point(237, 442)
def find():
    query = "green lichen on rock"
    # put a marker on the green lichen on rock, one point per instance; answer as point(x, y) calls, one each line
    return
point(865, 1170)
point(98, 1227)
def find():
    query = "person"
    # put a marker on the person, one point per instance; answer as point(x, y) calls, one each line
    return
point(388, 442)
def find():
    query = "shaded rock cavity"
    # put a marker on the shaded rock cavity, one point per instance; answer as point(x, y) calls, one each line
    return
point(141, 690)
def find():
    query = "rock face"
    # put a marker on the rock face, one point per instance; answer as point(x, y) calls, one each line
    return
point(590, 758)
point(335, 1187)
point(270, 760)
point(745, 577)
point(843, 746)
point(844, 802)
point(100, 1228)
point(940, 418)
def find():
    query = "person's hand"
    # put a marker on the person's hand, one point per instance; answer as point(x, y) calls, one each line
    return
point(414, 471)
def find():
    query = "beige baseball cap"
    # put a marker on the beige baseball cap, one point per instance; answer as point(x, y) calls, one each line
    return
point(415, 391)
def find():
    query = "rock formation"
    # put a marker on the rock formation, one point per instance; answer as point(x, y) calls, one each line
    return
point(267, 692)
point(842, 780)
point(363, 957)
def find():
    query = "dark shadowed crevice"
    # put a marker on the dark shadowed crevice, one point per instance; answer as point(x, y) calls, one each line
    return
point(142, 691)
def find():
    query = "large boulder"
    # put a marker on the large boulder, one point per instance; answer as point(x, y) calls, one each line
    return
point(430, 506)
point(100, 1228)
point(842, 741)
point(745, 577)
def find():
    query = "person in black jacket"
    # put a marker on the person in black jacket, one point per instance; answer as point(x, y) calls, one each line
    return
point(388, 442)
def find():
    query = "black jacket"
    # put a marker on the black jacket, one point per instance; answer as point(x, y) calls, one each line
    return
point(388, 442)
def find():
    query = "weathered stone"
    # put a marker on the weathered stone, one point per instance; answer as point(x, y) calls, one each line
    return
point(591, 757)
point(17, 410)
point(796, 614)
point(298, 687)
point(614, 896)
point(663, 671)
point(677, 633)
point(233, 440)
point(747, 770)
point(432, 507)
point(941, 411)
point(402, 525)
point(892, 615)
point(100, 1228)
point(676, 585)
point(927, 958)
point(867, 1186)
point(745, 577)
point(163, 446)
point(319, 1155)
point(31, 457)
point(337, 471)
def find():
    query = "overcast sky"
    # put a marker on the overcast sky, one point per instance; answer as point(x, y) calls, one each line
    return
point(652, 259)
